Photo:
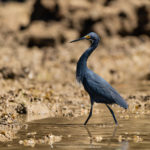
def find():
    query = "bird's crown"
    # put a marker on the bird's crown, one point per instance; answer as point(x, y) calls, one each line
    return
point(92, 36)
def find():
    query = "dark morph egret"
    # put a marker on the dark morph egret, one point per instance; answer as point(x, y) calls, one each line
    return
point(98, 89)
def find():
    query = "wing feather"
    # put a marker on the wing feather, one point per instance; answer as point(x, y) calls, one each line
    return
point(101, 89)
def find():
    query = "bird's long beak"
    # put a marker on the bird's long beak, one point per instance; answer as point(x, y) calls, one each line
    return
point(78, 39)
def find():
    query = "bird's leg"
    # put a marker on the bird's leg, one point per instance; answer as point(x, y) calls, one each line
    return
point(112, 114)
point(90, 114)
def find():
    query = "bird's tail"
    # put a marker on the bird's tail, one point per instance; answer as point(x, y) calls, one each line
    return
point(119, 100)
point(123, 104)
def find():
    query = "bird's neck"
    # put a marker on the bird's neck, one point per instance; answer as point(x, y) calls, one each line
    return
point(82, 63)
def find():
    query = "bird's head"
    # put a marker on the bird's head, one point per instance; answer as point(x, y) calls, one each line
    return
point(92, 36)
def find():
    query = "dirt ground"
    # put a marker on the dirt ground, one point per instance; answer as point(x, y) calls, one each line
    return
point(37, 62)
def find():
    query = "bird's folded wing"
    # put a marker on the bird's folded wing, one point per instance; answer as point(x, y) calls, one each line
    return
point(101, 87)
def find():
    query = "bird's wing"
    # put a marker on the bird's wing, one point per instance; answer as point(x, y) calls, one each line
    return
point(98, 86)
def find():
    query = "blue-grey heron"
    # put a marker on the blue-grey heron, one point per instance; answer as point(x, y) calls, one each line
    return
point(98, 89)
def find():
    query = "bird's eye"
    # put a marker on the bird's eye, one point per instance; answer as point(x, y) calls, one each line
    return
point(87, 37)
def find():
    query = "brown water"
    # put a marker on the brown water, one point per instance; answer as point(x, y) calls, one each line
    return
point(132, 133)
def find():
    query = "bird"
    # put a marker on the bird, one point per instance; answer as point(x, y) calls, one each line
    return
point(99, 90)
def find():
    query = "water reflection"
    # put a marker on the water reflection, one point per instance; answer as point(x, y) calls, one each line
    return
point(91, 137)
point(89, 134)
point(124, 145)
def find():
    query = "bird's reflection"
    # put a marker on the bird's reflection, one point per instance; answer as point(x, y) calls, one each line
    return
point(89, 134)
point(124, 145)
point(91, 137)
point(114, 131)
point(113, 135)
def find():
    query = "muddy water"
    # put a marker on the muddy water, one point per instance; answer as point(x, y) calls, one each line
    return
point(99, 134)
point(132, 133)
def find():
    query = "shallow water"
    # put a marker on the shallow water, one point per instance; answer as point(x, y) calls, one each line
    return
point(132, 133)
